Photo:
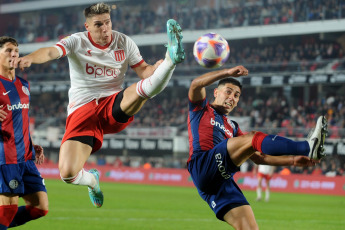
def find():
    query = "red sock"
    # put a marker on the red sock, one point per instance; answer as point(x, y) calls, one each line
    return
point(35, 213)
point(7, 213)
point(257, 141)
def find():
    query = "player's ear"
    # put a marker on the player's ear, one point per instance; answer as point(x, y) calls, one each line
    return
point(215, 92)
point(86, 26)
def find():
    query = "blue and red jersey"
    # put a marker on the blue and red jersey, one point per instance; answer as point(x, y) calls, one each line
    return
point(207, 128)
point(15, 141)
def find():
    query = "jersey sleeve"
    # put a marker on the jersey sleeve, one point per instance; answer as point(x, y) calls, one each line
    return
point(197, 106)
point(67, 45)
point(134, 56)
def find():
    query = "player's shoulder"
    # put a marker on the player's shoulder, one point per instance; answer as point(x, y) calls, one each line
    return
point(25, 84)
point(121, 37)
point(119, 34)
point(22, 80)
point(234, 122)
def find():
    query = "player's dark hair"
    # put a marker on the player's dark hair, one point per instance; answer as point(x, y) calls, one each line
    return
point(5, 39)
point(96, 9)
point(231, 81)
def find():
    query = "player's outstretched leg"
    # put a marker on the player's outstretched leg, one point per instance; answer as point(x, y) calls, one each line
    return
point(175, 46)
point(317, 138)
point(95, 193)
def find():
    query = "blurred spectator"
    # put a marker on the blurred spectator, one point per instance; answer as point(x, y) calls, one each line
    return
point(101, 160)
point(285, 171)
point(117, 162)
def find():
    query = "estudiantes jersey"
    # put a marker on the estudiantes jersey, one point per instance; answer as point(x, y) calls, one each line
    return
point(207, 128)
point(97, 71)
point(15, 141)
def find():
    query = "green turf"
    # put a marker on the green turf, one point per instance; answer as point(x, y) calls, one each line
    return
point(145, 207)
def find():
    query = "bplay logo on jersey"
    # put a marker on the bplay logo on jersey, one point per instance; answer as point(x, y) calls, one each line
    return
point(18, 106)
point(97, 71)
point(217, 124)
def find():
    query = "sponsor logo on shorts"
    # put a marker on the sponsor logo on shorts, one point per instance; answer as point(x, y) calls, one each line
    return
point(13, 184)
point(221, 167)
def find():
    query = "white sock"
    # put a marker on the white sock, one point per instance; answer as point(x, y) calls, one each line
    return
point(153, 85)
point(82, 178)
point(258, 193)
point(267, 195)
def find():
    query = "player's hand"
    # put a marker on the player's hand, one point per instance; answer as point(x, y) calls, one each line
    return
point(39, 154)
point(303, 161)
point(3, 114)
point(238, 71)
point(21, 62)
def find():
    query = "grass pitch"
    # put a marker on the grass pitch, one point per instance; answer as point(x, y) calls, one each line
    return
point(146, 207)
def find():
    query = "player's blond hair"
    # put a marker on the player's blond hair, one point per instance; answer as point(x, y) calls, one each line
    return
point(96, 9)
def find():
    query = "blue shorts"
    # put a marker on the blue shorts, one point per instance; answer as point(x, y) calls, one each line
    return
point(212, 173)
point(21, 179)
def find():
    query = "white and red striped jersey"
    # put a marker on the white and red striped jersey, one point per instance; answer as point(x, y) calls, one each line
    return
point(97, 71)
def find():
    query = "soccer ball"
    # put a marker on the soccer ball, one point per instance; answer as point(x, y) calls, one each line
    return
point(211, 50)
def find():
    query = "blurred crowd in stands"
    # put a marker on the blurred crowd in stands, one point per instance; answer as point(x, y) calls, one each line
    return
point(305, 53)
point(132, 18)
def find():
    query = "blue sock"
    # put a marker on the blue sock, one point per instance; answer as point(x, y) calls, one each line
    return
point(3, 227)
point(277, 146)
point(22, 216)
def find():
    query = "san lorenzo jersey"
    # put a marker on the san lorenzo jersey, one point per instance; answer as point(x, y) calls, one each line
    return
point(207, 128)
point(97, 71)
point(15, 141)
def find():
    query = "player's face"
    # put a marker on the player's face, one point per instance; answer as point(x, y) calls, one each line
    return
point(7, 53)
point(100, 28)
point(227, 97)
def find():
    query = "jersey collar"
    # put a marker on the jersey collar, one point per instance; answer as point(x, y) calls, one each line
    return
point(99, 46)
point(6, 79)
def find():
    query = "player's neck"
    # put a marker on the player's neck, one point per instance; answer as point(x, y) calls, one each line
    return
point(220, 109)
point(8, 73)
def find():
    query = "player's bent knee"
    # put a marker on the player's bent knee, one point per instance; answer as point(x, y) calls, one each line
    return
point(72, 179)
point(66, 174)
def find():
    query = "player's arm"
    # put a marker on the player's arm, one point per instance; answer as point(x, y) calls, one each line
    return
point(145, 70)
point(260, 158)
point(197, 91)
point(39, 56)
